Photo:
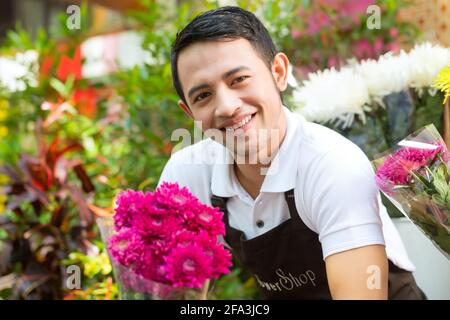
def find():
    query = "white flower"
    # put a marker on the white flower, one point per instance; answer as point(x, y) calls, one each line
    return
point(10, 73)
point(14, 70)
point(426, 62)
point(331, 95)
point(340, 95)
point(387, 75)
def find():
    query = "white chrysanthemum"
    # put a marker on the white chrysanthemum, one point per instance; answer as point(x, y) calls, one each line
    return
point(13, 71)
point(426, 62)
point(387, 75)
point(331, 95)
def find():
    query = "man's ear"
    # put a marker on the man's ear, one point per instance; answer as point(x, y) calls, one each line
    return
point(280, 70)
point(185, 108)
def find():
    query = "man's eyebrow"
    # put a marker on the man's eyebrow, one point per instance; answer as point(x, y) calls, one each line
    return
point(196, 88)
point(233, 71)
point(225, 75)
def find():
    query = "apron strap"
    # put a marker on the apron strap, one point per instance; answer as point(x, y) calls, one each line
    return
point(221, 203)
point(290, 199)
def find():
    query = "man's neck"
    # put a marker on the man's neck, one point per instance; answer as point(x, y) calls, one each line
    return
point(251, 176)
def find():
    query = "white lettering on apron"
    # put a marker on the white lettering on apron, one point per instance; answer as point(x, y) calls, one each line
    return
point(289, 281)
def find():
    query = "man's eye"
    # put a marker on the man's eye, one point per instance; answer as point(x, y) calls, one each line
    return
point(201, 96)
point(239, 79)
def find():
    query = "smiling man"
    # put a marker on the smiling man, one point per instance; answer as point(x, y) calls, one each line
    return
point(301, 208)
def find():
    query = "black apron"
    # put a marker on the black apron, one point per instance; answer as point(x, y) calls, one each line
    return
point(287, 261)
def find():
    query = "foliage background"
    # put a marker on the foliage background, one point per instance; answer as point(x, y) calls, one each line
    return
point(69, 144)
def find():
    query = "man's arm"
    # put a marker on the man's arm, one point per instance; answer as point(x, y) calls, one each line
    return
point(360, 273)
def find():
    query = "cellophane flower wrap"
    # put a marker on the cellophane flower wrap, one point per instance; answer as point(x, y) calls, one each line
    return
point(415, 177)
point(166, 242)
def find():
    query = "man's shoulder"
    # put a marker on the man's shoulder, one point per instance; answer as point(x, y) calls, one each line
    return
point(323, 149)
point(192, 167)
point(326, 154)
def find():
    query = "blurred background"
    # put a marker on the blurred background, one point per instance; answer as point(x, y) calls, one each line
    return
point(87, 109)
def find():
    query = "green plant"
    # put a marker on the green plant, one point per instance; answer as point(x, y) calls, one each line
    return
point(97, 278)
point(236, 285)
point(47, 187)
point(47, 216)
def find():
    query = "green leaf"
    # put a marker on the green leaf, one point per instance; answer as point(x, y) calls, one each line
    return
point(3, 234)
point(441, 186)
point(59, 87)
point(442, 171)
point(428, 186)
point(90, 146)
point(69, 84)
point(438, 199)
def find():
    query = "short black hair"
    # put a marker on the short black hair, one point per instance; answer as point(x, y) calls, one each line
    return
point(219, 24)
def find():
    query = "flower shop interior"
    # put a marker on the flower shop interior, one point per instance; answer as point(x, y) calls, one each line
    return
point(87, 109)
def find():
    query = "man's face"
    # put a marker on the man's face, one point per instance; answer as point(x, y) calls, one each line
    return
point(228, 87)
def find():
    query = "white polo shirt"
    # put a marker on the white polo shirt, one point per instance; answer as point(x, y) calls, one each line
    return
point(333, 181)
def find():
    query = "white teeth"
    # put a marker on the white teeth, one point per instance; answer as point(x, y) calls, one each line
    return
point(240, 124)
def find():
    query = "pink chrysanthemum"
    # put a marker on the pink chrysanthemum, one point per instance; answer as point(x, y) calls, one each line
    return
point(155, 207)
point(384, 184)
point(156, 226)
point(169, 237)
point(171, 196)
point(398, 167)
point(127, 207)
point(417, 157)
point(220, 257)
point(202, 217)
point(149, 266)
point(188, 267)
point(184, 238)
point(393, 171)
point(126, 247)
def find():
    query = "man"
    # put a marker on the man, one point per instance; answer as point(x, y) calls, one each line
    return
point(301, 208)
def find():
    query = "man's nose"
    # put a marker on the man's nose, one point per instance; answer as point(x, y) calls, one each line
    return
point(226, 103)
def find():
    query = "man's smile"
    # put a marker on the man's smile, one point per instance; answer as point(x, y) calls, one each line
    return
point(242, 122)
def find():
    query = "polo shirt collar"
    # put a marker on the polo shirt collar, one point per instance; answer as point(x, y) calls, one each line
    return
point(281, 175)
point(223, 180)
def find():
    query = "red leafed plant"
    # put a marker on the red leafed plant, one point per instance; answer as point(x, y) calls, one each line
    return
point(47, 217)
point(68, 73)
point(70, 66)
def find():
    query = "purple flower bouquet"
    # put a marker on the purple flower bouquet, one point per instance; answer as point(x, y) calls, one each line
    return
point(415, 177)
point(164, 245)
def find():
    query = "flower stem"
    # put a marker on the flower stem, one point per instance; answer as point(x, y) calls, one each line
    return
point(203, 294)
point(420, 180)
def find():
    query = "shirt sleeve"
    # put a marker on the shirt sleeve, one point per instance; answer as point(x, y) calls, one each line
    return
point(343, 206)
point(180, 169)
point(188, 172)
point(167, 174)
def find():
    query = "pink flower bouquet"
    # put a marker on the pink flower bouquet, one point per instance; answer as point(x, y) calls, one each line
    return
point(415, 176)
point(166, 242)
